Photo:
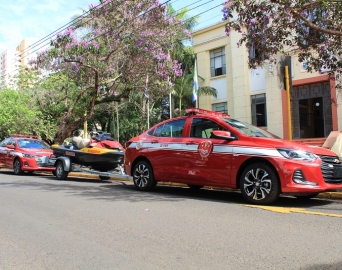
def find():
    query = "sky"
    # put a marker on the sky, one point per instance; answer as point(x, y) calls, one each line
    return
point(34, 20)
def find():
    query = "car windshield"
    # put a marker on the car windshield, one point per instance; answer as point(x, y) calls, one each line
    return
point(248, 129)
point(29, 143)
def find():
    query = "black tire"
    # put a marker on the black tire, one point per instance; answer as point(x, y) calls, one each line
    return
point(60, 173)
point(307, 197)
point(17, 167)
point(259, 184)
point(103, 178)
point(143, 177)
point(195, 186)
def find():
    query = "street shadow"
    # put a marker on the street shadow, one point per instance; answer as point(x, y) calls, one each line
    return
point(333, 266)
point(113, 190)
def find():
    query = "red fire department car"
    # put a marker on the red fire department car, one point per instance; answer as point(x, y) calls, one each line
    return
point(26, 153)
point(207, 148)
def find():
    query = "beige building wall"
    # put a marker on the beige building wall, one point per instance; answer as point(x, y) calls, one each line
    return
point(238, 77)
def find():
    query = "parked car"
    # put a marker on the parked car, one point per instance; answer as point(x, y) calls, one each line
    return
point(26, 153)
point(207, 148)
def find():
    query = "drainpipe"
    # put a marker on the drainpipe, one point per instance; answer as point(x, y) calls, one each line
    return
point(287, 88)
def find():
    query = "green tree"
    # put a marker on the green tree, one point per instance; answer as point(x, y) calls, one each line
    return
point(18, 114)
point(182, 89)
point(311, 29)
point(124, 42)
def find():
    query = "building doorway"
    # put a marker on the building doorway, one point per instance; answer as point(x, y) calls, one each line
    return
point(311, 118)
point(311, 110)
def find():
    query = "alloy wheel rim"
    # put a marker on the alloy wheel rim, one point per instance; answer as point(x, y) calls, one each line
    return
point(59, 171)
point(141, 175)
point(16, 166)
point(257, 184)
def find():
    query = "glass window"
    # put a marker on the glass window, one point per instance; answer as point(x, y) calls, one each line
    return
point(35, 144)
point(220, 107)
point(259, 117)
point(171, 129)
point(248, 129)
point(5, 142)
point(254, 52)
point(218, 62)
point(201, 128)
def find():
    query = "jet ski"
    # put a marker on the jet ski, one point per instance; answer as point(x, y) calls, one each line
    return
point(100, 153)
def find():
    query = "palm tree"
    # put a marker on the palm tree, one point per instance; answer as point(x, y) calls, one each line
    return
point(185, 54)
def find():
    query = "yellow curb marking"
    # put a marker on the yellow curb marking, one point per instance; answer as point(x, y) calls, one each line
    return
point(287, 210)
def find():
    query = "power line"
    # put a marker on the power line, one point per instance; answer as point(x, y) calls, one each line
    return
point(175, 12)
point(63, 27)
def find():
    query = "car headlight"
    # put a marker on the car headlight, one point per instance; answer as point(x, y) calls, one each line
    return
point(297, 155)
point(28, 155)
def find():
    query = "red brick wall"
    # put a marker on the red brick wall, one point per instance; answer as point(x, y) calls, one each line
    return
point(333, 105)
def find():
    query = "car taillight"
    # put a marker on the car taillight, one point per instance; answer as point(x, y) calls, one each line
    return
point(127, 144)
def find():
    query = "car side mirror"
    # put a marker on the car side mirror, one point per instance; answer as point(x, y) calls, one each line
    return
point(222, 134)
point(10, 146)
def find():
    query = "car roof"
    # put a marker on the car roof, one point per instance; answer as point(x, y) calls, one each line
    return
point(24, 136)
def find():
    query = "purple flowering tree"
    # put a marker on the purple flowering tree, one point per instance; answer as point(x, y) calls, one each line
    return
point(107, 56)
point(310, 29)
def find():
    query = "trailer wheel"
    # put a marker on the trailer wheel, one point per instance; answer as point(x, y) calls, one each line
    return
point(60, 173)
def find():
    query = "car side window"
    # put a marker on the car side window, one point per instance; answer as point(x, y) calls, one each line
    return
point(171, 129)
point(4, 142)
point(11, 142)
point(201, 128)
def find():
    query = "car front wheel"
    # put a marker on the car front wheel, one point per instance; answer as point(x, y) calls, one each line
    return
point(143, 177)
point(259, 184)
point(17, 167)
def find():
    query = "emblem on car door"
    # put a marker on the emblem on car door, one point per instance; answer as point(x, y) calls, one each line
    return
point(205, 148)
point(139, 145)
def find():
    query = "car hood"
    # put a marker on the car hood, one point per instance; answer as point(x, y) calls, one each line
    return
point(280, 143)
point(37, 152)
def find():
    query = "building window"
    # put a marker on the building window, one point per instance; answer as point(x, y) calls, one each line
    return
point(259, 117)
point(218, 62)
point(254, 53)
point(220, 107)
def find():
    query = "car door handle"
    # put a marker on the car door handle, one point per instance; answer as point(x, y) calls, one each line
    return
point(154, 141)
point(189, 143)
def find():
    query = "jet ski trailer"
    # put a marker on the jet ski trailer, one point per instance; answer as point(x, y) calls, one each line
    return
point(83, 158)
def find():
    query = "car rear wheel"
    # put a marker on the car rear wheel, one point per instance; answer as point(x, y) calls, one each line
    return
point(143, 177)
point(259, 184)
point(61, 174)
point(17, 167)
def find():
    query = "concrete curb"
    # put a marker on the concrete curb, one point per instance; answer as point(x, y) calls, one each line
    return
point(330, 195)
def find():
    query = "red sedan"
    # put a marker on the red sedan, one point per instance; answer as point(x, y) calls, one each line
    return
point(25, 153)
point(206, 148)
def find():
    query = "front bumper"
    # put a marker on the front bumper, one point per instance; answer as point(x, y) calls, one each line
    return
point(38, 164)
point(314, 177)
